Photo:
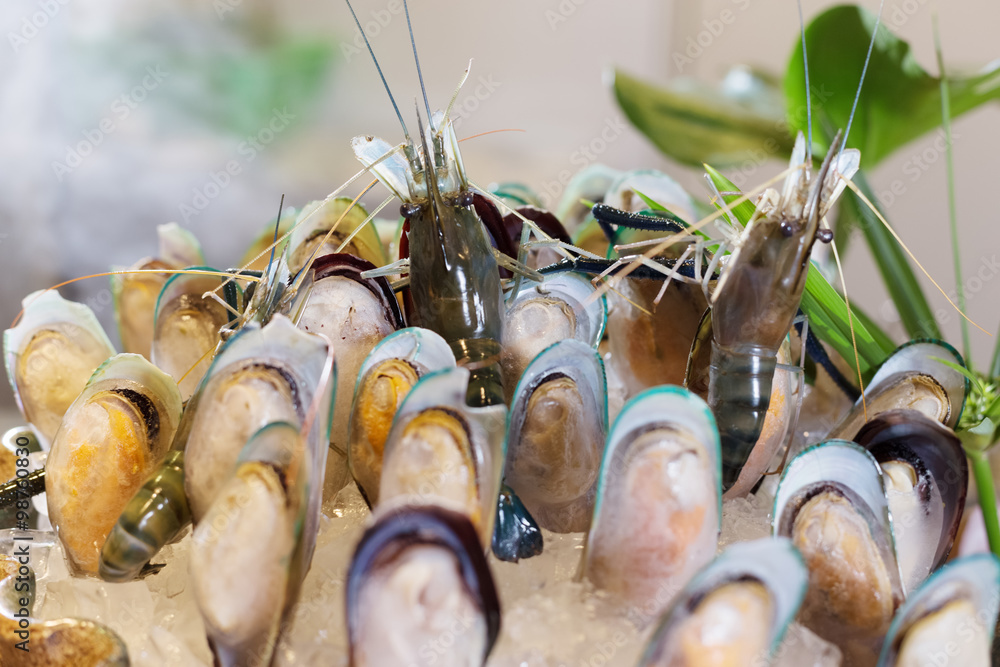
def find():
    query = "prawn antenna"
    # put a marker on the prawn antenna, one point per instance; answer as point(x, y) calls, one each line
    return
point(274, 242)
point(864, 70)
point(416, 59)
point(392, 99)
point(805, 66)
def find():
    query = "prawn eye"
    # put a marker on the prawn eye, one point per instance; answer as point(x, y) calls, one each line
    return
point(825, 235)
point(465, 198)
point(787, 228)
point(408, 209)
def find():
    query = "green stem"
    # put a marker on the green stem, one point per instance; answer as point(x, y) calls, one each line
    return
point(987, 497)
point(952, 215)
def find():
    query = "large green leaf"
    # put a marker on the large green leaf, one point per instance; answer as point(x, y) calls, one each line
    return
point(899, 100)
point(695, 123)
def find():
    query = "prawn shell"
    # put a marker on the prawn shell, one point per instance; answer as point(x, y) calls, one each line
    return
point(582, 365)
point(545, 221)
point(683, 419)
point(426, 352)
point(935, 454)
point(135, 539)
point(398, 529)
point(974, 578)
point(317, 218)
point(484, 428)
point(89, 482)
point(47, 311)
point(845, 473)
point(295, 358)
point(186, 326)
point(772, 562)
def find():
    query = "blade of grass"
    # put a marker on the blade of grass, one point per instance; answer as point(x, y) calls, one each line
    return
point(987, 497)
point(952, 215)
point(892, 263)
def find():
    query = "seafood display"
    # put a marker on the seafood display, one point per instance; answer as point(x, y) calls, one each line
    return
point(448, 437)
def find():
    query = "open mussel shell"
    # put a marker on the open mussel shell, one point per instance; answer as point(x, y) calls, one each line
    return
point(262, 375)
point(385, 378)
point(113, 436)
point(591, 184)
point(134, 294)
point(659, 499)
point(831, 503)
point(68, 642)
point(441, 451)
point(186, 328)
point(314, 222)
point(556, 435)
point(950, 619)
point(50, 355)
point(926, 476)
point(912, 378)
point(251, 535)
point(356, 314)
point(735, 611)
point(541, 314)
point(417, 570)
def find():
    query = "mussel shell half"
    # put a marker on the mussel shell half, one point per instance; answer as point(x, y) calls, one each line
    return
point(927, 511)
point(831, 503)
point(385, 378)
point(186, 328)
point(240, 559)
point(590, 183)
point(962, 598)
point(262, 375)
point(356, 314)
point(49, 357)
point(755, 619)
point(435, 439)
point(317, 218)
point(541, 314)
point(659, 500)
point(113, 436)
point(383, 550)
point(556, 435)
point(912, 378)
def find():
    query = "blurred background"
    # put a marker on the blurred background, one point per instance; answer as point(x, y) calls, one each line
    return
point(117, 116)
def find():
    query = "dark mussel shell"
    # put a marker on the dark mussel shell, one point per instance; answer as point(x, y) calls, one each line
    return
point(400, 528)
point(936, 455)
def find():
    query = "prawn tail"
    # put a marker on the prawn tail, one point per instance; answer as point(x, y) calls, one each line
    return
point(739, 393)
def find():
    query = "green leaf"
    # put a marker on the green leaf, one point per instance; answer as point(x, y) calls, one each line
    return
point(977, 384)
point(694, 123)
point(744, 210)
point(827, 312)
point(980, 437)
point(892, 263)
point(899, 100)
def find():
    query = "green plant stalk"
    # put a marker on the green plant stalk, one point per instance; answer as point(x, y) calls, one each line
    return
point(952, 215)
point(899, 279)
point(987, 497)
